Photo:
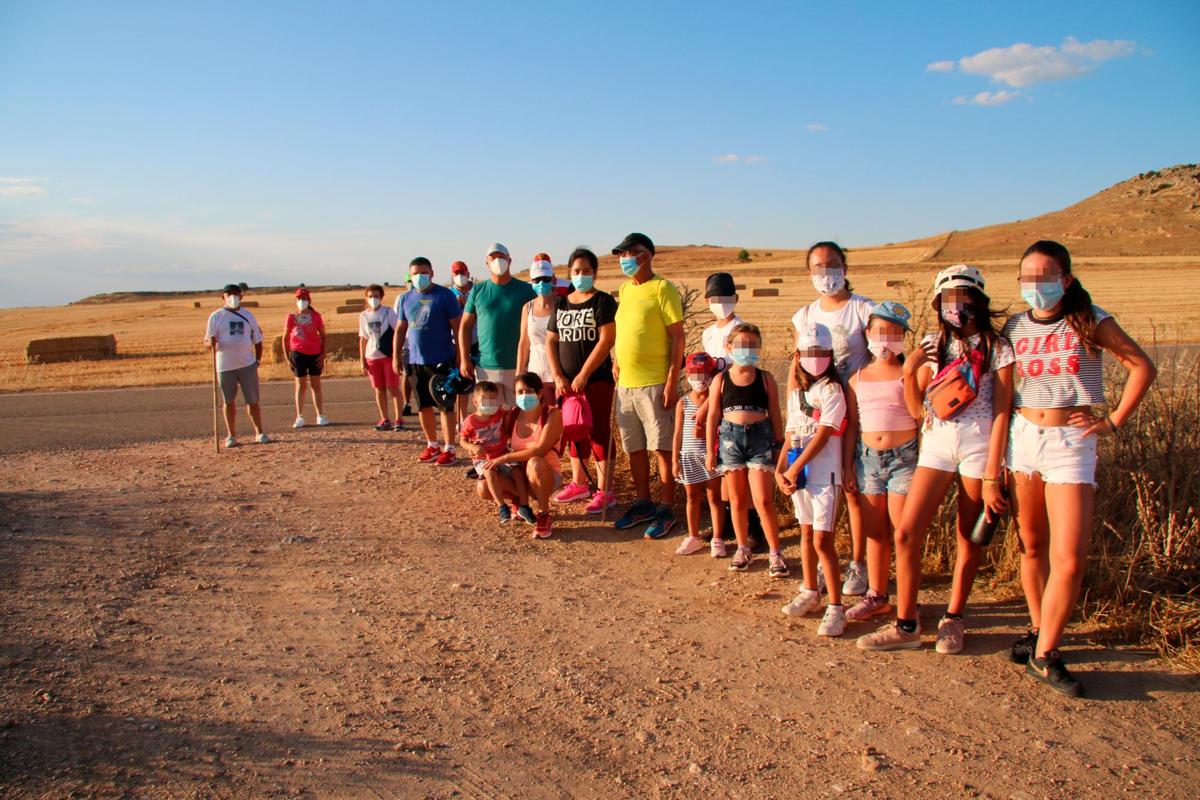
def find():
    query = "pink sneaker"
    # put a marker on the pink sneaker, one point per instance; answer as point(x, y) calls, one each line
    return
point(872, 605)
point(572, 492)
point(601, 501)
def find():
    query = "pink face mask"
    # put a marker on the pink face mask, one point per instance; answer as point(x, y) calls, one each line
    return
point(815, 365)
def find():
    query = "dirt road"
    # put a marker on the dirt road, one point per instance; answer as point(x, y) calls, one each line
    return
point(323, 617)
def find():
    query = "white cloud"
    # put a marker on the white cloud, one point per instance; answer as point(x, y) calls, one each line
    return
point(1022, 65)
point(21, 187)
point(987, 98)
point(817, 127)
point(735, 158)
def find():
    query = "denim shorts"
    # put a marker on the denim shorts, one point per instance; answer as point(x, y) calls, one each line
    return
point(746, 446)
point(886, 471)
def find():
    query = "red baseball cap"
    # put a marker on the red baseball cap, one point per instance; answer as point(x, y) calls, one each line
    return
point(459, 268)
point(302, 292)
point(702, 362)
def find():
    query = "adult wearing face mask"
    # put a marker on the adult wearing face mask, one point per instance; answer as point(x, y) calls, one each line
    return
point(461, 284)
point(846, 315)
point(429, 315)
point(493, 310)
point(649, 354)
point(535, 317)
point(235, 335)
point(304, 348)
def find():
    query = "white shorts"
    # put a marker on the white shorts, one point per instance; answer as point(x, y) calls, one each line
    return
point(817, 506)
point(960, 447)
point(1059, 454)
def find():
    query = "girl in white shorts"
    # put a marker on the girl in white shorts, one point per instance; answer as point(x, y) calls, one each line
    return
point(810, 470)
point(967, 448)
point(1059, 344)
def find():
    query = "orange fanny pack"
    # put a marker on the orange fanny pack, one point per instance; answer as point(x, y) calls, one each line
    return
point(956, 386)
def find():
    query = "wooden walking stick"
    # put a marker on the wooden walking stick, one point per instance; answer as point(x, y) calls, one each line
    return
point(216, 430)
point(612, 425)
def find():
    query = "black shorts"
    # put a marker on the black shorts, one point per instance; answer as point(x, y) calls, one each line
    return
point(421, 373)
point(303, 364)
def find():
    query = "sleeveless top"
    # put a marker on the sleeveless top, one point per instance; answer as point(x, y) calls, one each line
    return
point(881, 406)
point(517, 442)
point(536, 329)
point(751, 397)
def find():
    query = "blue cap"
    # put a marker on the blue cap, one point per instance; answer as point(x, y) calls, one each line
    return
point(892, 311)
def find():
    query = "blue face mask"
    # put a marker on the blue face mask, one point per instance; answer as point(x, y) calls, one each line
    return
point(543, 288)
point(629, 266)
point(527, 402)
point(1043, 295)
point(582, 283)
point(745, 356)
point(421, 281)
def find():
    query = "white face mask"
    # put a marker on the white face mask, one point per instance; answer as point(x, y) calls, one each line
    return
point(233, 301)
point(373, 302)
point(699, 384)
point(721, 310)
point(880, 348)
point(461, 280)
point(302, 305)
point(830, 282)
point(498, 266)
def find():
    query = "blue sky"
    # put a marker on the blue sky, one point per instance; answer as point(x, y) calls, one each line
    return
point(181, 145)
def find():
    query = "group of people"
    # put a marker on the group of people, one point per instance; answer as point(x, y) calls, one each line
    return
point(523, 376)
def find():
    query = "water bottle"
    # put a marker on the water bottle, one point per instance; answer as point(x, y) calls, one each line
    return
point(792, 454)
point(985, 527)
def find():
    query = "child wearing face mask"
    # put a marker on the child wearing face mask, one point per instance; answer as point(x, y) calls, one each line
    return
point(376, 329)
point(961, 446)
point(535, 317)
point(690, 458)
point(745, 425)
point(484, 437)
point(810, 471)
point(886, 448)
point(845, 315)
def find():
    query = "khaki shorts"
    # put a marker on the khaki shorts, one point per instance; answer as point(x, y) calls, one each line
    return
point(504, 378)
point(643, 422)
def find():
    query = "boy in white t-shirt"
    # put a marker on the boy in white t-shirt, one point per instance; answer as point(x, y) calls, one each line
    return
point(721, 295)
point(235, 335)
point(376, 330)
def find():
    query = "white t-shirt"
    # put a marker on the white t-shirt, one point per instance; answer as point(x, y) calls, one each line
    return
point(372, 324)
point(716, 337)
point(825, 469)
point(236, 333)
point(980, 409)
point(848, 325)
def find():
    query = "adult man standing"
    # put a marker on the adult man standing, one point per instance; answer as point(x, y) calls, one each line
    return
point(237, 338)
point(647, 359)
point(428, 317)
point(495, 306)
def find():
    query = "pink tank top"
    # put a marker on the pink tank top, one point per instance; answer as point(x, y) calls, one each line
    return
point(881, 406)
point(521, 442)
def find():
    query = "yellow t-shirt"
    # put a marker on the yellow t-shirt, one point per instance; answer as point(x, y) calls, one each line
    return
point(643, 345)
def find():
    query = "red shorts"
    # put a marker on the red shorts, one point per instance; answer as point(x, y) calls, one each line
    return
point(382, 374)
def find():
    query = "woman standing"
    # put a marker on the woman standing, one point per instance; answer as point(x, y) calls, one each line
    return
point(579, 341)
point(845, 314)
point(304, 348)
point(1059, 344)
point(535, 316)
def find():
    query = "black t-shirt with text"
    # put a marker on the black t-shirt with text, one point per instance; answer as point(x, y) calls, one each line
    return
point(578, 328)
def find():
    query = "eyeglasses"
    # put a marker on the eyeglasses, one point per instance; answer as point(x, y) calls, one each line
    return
point(542, 280)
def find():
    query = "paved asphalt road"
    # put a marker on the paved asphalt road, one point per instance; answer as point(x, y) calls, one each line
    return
point(108, 417)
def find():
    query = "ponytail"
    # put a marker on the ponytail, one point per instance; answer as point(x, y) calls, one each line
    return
point(1076, 302)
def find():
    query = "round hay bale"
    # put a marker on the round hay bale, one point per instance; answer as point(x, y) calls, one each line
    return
point(765, 293)
point(71, 348)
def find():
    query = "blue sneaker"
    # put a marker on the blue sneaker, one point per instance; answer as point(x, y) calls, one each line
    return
point(664, 520)
point(504, 514)
point(641, 511)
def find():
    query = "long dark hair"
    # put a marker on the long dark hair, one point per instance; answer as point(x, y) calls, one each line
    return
point(985, 324)
point(587, 255)
point(835, 247)
point(806, 380)
point(1076, 302)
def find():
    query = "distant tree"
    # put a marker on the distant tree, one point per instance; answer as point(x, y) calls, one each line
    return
point(743, 255)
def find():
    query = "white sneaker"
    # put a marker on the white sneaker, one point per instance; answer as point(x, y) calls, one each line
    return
point(262, 438)
point(691, 544)
point(804, 603)
point(834, 621)
point(299, 423)
point(322, 419)
point(230, 442)
point(716, 548)
point(856, 579)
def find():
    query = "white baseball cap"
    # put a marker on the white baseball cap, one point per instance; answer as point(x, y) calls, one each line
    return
point(542, 267)
point(957, 276)
point(814, 335)
point(496, 247)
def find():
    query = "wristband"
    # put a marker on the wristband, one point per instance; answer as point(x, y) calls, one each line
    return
point(990, 480)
